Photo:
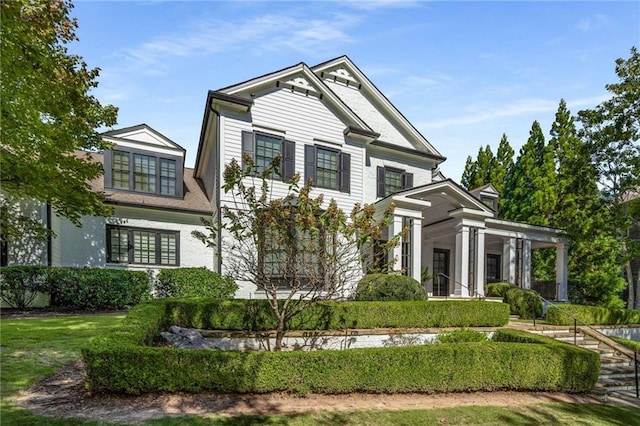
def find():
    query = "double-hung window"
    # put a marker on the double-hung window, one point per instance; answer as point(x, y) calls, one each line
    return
point(263, 148)
point(144, 172)
point(142, 246)
point(390, 180)
point(327, 168)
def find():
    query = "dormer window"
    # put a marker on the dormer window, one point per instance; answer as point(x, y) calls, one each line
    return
point(145, 172)
point(491, 202)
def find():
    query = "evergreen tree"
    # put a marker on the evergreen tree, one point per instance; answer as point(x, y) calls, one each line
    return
point(503, 162)
point(469, 173)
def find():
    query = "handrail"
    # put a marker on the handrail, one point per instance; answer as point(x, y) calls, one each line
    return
point(476, 294)
point(635, 358)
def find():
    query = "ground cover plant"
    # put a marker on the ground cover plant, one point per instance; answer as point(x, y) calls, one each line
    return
point(123, 361)
point(592, 315)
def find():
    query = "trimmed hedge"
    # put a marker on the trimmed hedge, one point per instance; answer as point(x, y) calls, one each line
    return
point(97, 288)
point(387, 287)
point(497, 289)
point(524, 302)
point(117, 362)
point(256, 315)
point(20, 285)
point(591, 315)
point(74, 288)
point(194, 282)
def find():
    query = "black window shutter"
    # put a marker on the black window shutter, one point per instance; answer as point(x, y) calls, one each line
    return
point(248, 147)
point(288, 159)
point(380, 191)
point(310, 163)
point(407, 180)
point(345, 172)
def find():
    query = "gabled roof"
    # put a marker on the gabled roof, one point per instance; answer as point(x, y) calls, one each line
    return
point(142, 133)
point(487, 188)
point(358, 77)
point(264, 81)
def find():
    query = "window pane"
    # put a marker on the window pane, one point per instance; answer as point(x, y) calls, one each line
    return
point(120, 170)
point(144, 173)
point(267, 148)
point(327, 169)
point(119, 244)
point(392, 181)
point(168, 249)
point(144, 247)
point(168, 177)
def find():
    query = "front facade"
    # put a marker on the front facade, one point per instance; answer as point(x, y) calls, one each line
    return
point(328, 123)
point(331, 124)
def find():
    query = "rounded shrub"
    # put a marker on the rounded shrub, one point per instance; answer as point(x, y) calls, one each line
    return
point(386, 287)
point(194, 282)
point(20, 285)
point(497, 289)
point(524, 302)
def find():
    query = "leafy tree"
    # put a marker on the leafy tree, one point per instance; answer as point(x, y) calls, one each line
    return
point(612, 131)
point(529, 192)
point(47, 116)
point(296, 249)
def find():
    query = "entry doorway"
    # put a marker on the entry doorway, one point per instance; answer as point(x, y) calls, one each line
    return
point(440, 266)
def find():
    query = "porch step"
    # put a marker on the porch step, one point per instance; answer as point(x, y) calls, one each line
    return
point(616, 371)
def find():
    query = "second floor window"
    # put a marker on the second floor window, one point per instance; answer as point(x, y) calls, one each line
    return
point(390, 181)
point(327, 168)
point(263, 148)
point(135, 170)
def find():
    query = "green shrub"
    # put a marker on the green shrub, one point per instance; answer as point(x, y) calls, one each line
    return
point(631, 344)
point(20, 285)
point(257, 315)
point(524, 302)
point(562, 315)
point(117, 362)
point(387, 287)
point(96, 288)
point(194, 282)
point(497, 289)
point(461, 336)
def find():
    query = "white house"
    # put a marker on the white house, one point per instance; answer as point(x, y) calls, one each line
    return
point(329, 123)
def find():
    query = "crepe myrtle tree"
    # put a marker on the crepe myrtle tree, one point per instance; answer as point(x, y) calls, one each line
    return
point(297, 248)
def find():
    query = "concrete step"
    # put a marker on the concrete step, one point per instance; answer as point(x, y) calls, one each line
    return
point(616, 385)
point(616, 372)
point(615, 360)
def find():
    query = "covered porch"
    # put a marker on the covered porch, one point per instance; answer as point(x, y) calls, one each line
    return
point(456, 235)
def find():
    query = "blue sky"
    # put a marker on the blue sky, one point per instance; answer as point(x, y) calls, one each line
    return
point(462, 72)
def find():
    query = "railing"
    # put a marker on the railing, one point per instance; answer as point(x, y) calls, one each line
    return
point(473, 293)
point(636, 360)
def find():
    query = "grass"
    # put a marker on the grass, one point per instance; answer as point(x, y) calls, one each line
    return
point(34, 348)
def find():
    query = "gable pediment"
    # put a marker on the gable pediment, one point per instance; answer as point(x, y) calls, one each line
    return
point(143, 137)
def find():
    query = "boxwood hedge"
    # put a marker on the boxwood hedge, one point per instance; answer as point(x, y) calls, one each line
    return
point(591, 315)
point(121, 361)
point(256, 315)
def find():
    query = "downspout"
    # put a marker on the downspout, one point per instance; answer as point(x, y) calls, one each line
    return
point(217, 189)
point(49, 236)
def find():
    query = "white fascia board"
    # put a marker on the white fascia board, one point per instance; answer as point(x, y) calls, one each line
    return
point(525, 227)
point(411, 202)
point(532, 236)
point(465, 212)
point(144, 146)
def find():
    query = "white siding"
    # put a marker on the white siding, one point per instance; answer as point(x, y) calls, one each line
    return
point(86, 246)
point(303, 119)
point(369, 113)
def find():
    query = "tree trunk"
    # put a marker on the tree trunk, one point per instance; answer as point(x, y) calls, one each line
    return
point(632, 296)
point(279, 333)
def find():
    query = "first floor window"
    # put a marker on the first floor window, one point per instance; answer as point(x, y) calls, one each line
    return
point(142, 246)
point(406, 251)
point(493, 268)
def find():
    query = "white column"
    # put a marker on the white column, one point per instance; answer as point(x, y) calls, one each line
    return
point(526, 264)
point(395, 228)
point(509, 261)
point(462, 262)
point(562, 267)
point(416, 252)
point(480, 257)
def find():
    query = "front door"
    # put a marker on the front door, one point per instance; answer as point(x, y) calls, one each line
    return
point(440, 266)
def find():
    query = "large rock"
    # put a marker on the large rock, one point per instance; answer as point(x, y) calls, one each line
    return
point(186, 338)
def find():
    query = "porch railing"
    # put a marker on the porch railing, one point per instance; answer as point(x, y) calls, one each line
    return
point(472, 292)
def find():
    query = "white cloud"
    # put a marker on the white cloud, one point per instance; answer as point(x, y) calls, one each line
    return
point(255, 36)
point(594, 22)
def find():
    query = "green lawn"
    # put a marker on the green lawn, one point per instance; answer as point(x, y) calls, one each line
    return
point(31, 349)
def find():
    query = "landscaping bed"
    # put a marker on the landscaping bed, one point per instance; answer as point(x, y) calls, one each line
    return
point(123, 360)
